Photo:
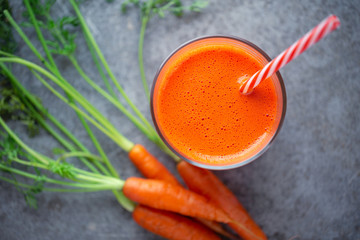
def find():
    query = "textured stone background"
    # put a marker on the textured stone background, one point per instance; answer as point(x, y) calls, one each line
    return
point(306, 186)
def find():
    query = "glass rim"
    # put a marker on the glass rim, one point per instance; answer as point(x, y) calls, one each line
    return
point(231, 165)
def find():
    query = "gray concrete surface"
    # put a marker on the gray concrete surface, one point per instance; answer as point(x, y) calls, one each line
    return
point(306, 186)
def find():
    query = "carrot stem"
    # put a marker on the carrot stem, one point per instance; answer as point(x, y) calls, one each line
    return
point(144, 22)
point(40, 36)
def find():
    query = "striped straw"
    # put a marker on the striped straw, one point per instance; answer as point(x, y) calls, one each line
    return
point(325, 27)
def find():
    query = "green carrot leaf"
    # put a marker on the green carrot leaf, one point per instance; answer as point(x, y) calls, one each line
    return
point(36, 188)
point(7, 41)
point(62, 38)
point(68, 20)
point(12, 107)
point(9, 149)
point(63, 169)
point(39, 8)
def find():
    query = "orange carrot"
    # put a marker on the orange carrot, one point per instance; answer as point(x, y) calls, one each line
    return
point(207, 184)
point(171, 225)
point(149, 166)
point(166, 196)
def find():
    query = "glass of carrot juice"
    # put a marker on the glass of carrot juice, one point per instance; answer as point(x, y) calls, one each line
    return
point(201, 115)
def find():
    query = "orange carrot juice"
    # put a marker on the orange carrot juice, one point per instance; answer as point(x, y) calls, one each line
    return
point(200, 113)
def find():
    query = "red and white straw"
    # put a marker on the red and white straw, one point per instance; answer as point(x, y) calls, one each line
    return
point(325, 27)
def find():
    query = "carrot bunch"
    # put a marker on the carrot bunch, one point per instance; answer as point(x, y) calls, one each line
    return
point(200, 181)
point(157, 198)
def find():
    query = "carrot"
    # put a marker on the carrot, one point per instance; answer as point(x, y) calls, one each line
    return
point(149, 166)
point(166, 196)
point(171, 225)
point(207, 184)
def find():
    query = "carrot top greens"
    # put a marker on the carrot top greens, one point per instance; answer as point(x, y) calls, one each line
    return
point(30, 171)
